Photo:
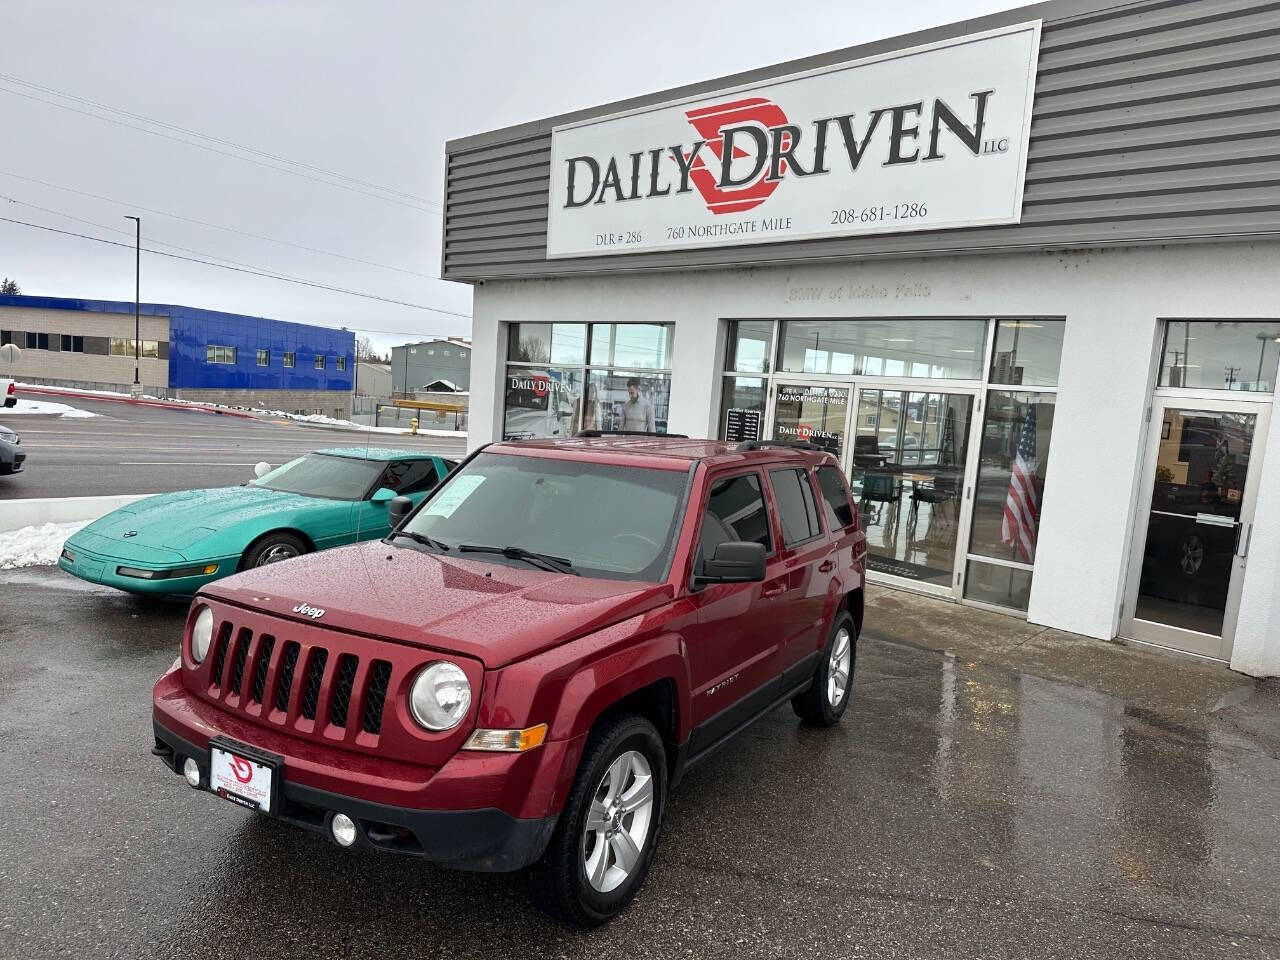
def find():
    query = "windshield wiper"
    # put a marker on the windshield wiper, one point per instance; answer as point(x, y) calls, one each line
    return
point(421, 538)
point(544, 560)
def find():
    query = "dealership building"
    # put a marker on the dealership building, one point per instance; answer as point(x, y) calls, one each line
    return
point(1020, 274)
point(183, 352)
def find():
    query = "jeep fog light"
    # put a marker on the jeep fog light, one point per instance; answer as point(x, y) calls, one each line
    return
point(201, 634)
point(191, 770)
point(507, 741)
point(344, 829)
point(440, 696)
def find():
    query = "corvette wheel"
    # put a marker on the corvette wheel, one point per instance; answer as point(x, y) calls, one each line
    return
point(272, 548)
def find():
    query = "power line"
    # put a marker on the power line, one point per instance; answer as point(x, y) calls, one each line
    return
point(212, 139)
point(234, 156)
point(217, 226)
point(257, 273)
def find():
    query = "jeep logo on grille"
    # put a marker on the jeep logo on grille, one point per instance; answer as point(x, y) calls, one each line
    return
point(315, 613)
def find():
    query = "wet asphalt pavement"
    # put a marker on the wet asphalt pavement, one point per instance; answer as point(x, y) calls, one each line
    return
point(966, 807)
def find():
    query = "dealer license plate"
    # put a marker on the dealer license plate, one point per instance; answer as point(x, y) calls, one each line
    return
point(242, 778)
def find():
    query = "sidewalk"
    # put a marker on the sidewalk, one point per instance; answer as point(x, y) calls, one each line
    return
point(1175, 685)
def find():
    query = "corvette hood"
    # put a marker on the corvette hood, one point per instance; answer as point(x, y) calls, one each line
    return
point(491, 611)
point(172, 522)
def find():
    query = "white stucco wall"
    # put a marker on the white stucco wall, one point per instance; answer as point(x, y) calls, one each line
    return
point(1112, 300)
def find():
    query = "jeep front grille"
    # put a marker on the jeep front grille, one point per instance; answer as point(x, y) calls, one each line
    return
point(298, 686)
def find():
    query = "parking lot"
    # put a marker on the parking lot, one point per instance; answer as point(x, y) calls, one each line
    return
point(140, 449)
point(1019, 796)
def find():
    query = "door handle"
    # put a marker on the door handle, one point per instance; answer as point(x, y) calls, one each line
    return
point(1248, 534)
point(773, 590)
point(826, 566)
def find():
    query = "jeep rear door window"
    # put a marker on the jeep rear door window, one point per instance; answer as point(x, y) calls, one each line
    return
point(617, 523)
point(835, 498)
point(735, 511)
point(796, 509)
point(317, 475)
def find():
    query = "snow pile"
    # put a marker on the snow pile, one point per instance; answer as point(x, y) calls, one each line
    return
point(44, 407)
point(35, 546)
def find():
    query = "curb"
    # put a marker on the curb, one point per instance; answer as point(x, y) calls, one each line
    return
point(35, 512)
point(197, 408)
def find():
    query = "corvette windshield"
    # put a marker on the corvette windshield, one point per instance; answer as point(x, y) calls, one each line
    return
point(316, 475)
point(618, 523)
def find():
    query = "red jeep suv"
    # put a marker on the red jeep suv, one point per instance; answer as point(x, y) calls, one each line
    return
point(524, 668)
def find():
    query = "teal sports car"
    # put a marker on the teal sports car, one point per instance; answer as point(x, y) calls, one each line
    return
point(175, 543)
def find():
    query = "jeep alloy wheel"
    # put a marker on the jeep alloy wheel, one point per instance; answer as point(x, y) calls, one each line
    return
point(838, 669)
point(617, 825)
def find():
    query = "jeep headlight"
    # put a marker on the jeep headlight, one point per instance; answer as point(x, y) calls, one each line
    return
point(201, 634)
point(440, 696)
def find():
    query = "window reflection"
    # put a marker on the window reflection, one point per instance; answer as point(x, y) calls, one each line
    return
point(1028, 352)
point(749, 344)
point(908, 477)
point(1221, 354)
point(950, 349)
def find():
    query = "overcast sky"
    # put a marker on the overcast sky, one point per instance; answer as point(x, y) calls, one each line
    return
point(369, 90)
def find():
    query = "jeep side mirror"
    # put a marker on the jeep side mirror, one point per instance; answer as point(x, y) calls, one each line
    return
point(400, 508)
point(735, 561)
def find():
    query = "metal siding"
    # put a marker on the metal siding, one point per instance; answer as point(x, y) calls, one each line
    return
point(1153, 121)
point(191, 330)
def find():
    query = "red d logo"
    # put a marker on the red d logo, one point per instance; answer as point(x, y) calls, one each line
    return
point(242, 769)
point(540, 386)
point(709, 122)
point(804, 431)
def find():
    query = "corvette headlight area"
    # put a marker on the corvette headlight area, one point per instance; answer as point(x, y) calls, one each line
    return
point(440, 696)
point(138, 573)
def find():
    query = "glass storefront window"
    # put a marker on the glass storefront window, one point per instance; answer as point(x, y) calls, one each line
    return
point(645, 346)
point(1011, 472)
point(541, 402)
point(627, 400)
point(559, 343)
point(1028, 352)
point(998, 585)
point(908, 477)
point(742, 409)
point(1221, 354)
point(814, 414)
point(940, 349)
point(749, 344)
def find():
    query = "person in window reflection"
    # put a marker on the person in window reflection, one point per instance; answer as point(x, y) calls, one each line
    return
point(637, 411)
point(586, 412)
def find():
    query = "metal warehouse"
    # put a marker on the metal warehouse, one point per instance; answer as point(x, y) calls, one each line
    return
point(1020, 274)
point(184, 352)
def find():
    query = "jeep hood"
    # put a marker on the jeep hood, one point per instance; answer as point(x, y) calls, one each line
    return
point(495, 612)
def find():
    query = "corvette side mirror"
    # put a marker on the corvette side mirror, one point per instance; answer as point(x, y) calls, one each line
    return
point(383, 495)
point(400, 508)
point(261, 469)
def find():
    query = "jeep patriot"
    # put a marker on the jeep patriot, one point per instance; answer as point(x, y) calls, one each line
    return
point(518, 675)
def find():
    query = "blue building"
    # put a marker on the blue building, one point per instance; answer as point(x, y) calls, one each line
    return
point(185, 352)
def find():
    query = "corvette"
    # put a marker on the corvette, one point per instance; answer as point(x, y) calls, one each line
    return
point(175, 543)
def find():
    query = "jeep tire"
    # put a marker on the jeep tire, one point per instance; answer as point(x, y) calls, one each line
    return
point(604, 841)
point(824, 701)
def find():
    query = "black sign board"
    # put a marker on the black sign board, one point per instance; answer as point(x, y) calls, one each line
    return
point(740, 425)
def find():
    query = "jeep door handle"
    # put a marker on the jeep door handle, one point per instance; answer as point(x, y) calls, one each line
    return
point(826, 566)
point(773, 590)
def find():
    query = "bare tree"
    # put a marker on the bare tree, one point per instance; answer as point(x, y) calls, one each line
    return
point(365, 351)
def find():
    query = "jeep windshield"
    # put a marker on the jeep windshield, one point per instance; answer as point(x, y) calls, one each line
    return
point(617, 523)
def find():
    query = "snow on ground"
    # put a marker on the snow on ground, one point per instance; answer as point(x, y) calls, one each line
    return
point(34, 546)
point(44, 407)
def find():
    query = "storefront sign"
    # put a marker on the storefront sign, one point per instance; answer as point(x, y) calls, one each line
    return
point(923, 139)
point(741, 424)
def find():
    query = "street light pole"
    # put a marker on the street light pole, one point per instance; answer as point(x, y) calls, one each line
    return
point(137, 304)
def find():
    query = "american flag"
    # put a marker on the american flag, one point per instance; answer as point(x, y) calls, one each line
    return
point(1021, 510)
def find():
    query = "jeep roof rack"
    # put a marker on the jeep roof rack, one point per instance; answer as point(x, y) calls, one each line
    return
point(746, 446)
point(628, 433)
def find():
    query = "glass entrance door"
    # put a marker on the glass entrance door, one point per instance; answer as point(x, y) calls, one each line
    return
point(817, 413)
point(908, 472)
point(1192, 537)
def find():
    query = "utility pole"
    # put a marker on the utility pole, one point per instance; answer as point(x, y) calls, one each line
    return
point(137, 306)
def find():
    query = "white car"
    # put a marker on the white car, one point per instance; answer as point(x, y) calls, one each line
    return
point(9, 392)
